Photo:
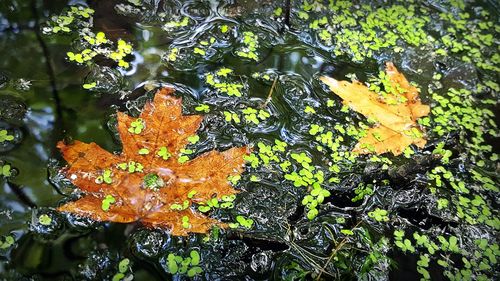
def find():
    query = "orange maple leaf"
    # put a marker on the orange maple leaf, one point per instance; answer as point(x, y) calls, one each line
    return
point(396, 114)
point(148, 181)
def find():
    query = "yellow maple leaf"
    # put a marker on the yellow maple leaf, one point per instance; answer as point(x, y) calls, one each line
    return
point(396, 114)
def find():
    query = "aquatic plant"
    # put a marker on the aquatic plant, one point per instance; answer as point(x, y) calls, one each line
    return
point(77, 22)
point(250, 44)
point(188, 265)
point(219, 80)
point(4, 136)
point(310, 206)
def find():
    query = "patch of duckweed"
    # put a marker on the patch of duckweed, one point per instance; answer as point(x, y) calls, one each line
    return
point(364, 30)
point(243, 222)
point(5, 136)
point(202, 108)
point(250, 44)
point(226, 202)
point(6, 170)
point(222, 81)
point(462, 110)
point(176, 24)
point(98, 44)
point(254, 116)
point(470, 35)
point(7, 242)
point(124, 268)
point(188, 266)
point(361, 30)
point(443, 251)
point(10, 136)
point(74, 18)
point(77, 22)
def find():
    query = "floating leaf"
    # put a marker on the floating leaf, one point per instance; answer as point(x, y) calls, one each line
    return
point(395, 114)
point(134, 186)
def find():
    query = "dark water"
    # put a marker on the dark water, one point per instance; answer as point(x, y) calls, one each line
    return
point(283, 244)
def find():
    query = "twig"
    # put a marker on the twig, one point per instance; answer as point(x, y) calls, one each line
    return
point(48, 62)
point(304, 253)
point(334, 253)
point(287, 12)
point(270, 95)
point(59, 121)
point(19, 192)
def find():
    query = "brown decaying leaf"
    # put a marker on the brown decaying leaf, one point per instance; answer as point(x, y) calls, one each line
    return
point(397, 127)
point(164, 126)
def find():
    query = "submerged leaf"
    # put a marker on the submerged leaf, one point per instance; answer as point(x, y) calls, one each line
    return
point(139, 186)
point(396, 114)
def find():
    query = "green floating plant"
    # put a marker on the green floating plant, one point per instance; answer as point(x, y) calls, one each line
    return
point(250, 44)
point(79, 20)
point(185, 222)
point(136, 126)
point(226, 202)
point(183, 155)
point(278, 12)
point(422, 265)
point(98, 44)
point(242, 221)
point(202, 108)
point(310, 110)
point(316, 196)
point(193, 139)
point(221, 81)
point(7, 242)
point(172, 25)
point(179, 207)
point(68, 21)
point(263, 76)
point(360, 30)
point(199, 51)
point(362, 190)
point(131, 167)
point(231, 116)
point(172, 54)
point(379, 215)
point(224, 28)
point(107, 202)
point(234, 179)
point(163, 153)
point(45, 219)
point(89, 86)
point(6, 169)
point(254, 116)
point(482, 258)
point(153, 181)
point(123, 268)
point(267, 153)
point(5, 136)
point(457, 110)
point(185, 265)
point(252, 159)
point(403, 243)
point(106, 177)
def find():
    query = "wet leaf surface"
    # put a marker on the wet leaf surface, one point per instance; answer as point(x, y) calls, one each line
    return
point(395, 114)
point(151, 176)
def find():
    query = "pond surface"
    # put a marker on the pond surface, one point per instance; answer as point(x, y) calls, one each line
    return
point(315, 209)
